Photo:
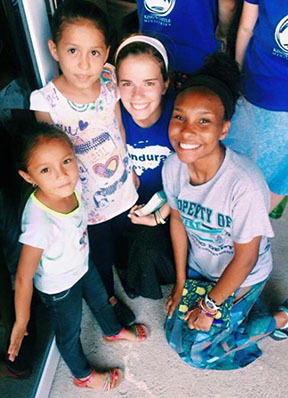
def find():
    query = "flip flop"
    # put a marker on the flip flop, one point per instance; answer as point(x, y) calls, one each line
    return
point(112, 380)
point(281, 334)
point(139, 331)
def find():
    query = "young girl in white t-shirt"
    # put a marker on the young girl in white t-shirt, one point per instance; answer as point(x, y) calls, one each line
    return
point(55, 255)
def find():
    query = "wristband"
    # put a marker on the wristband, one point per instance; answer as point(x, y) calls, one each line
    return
point(210, 303)
point(158, 218)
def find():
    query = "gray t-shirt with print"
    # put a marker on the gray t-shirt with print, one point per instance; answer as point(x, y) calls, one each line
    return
point(231, 207)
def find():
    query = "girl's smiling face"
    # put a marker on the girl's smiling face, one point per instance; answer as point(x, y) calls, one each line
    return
point(141, 87)
point(197, 126)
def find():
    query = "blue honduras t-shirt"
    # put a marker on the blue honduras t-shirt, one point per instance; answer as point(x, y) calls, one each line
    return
point(148, 148)
point(186, 28)
point(265, 82)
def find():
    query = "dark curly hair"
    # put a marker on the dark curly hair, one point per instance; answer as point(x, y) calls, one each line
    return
point(221, 75)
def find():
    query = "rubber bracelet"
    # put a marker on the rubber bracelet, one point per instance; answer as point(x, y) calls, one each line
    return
point(155, 217)
point(205, 312)
point(160, 219)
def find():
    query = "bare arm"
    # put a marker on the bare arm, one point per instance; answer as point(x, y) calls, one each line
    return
point(235, 273)
point(245, 30)
point(28, 262)
point(180, 245)
point(226, 11)
point(43, 117)
point(122, 132)
point(149, 219)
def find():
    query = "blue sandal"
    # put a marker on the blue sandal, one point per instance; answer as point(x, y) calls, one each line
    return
point(281, 334)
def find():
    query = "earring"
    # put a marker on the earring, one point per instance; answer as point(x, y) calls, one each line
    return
point(34, 185)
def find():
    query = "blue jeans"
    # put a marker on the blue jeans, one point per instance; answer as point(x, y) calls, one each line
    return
point(65, 309)
point(111, 236)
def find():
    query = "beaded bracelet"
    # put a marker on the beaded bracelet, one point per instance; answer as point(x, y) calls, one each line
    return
point(204, 310)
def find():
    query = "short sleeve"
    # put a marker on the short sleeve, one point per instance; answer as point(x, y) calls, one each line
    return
point(34, 226)
point(252, 1)
point(38, 102)
point(250, 217)
point(169, 183)
point(109, 76)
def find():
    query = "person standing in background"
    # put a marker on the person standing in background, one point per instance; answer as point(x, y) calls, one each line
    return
point(188, 28)
point(262, 53)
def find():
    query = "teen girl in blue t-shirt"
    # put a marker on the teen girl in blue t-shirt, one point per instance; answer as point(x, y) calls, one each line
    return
point(146, 106)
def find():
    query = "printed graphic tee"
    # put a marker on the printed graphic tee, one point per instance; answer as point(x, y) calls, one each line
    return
point(148, 148)
point(231, 207)
point(64, 240)
point(265, 81)
point(186, 28)
point(104, 167)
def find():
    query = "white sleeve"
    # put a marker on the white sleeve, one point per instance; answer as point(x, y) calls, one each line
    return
point(34, 227)
point(38, 102)
point(111, 75)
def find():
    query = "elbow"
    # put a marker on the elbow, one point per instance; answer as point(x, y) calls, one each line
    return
point(245, 31)
point(227, 6)
point(231, 6)
point(22, 282)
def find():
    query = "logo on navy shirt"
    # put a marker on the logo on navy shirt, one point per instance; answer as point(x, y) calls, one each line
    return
point(281, 34)
point(160, 8)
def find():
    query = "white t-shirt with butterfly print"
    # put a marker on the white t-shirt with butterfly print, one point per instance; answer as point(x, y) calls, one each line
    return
point(104, 167)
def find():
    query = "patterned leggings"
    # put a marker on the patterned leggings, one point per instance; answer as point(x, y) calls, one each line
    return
point(230, 348)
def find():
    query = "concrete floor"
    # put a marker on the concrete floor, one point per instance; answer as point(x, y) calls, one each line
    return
point(153, 369)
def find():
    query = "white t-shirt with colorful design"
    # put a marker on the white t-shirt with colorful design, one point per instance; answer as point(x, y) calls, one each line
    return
point(104, 167)
point(64, 240)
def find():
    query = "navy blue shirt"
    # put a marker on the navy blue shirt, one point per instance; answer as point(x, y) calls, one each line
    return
point(185, 27)
point(265, 82)
point(148, 148)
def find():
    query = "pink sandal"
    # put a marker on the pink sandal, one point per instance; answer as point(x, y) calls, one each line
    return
point(112, 380)
point(139, 331)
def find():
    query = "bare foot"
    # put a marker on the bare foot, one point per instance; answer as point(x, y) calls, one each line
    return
point(113, 300)
point(281, 319)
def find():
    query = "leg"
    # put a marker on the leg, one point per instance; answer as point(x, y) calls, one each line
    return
point(102, 252)
point(65, 309)
point(120, 230)
point(102, 238)
point(281, 321)
point(150, 263)
point(264, 140)
point(224, 348)
point(97, 299)
point(237, 347)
